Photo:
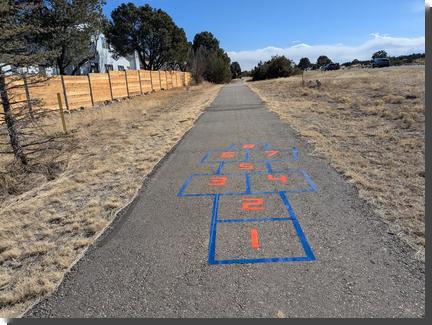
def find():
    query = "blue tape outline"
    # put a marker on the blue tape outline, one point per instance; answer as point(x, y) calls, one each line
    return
point(252, 220)
point(292, 216)
point(305, 244)
point(247, 152)
point(212, 238)
point(312, 186)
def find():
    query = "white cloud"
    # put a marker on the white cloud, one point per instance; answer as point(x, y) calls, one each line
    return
point(337, 52)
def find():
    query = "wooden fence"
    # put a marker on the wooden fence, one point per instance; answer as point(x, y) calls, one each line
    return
point(88, 91)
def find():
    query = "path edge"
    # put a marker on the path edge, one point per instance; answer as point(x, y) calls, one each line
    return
point(120, 216)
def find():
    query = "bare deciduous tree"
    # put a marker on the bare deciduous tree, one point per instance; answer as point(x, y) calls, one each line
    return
point(197, 63)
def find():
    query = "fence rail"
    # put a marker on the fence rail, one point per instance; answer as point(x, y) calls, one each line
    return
point(91, 90)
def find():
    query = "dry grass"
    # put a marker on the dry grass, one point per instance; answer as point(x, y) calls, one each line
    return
point(370, 125)
point(49, 216)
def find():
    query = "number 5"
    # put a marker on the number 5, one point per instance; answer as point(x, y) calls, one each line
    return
point(282, 178)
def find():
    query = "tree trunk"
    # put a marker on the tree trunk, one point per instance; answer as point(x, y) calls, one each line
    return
point(60, 66)
point(10, 123)
point(29, 102)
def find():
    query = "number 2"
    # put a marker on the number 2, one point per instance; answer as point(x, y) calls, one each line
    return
point(253, 204)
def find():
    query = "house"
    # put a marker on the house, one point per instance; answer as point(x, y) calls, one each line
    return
point(106, 60)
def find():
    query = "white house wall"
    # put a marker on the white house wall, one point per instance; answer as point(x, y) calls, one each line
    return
point(106, 57)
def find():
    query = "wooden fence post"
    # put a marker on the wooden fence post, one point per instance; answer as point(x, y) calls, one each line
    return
point(166, 80)
point(160, 81)
point(109, 79)
point(151, 81)
point(139, 78)
point(65, 94)
point(127, 84)
point(61, 112)
point(30, 107)
point(91, 90)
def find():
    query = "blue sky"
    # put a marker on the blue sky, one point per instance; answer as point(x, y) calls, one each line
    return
point(253, 30)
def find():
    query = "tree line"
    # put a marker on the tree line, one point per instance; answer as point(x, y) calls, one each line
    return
point(280, 66)
point(64, 34)
point(35, 35)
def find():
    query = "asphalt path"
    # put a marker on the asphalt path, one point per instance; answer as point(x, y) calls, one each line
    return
point(240, 220)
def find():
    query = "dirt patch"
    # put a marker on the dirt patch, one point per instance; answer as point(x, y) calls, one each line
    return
point(52, 212)
point(369, 123)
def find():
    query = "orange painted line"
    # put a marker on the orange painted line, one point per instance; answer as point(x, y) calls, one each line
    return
point(271, 153)
point(227, 154)
point(217, 181)
point(254, 239)
point(248, 146)
point(246, 166)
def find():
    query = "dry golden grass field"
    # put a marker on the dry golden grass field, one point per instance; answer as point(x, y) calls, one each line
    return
point(369, 124)
point(49, 218)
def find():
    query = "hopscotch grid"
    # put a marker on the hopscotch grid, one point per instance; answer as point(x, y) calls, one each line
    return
point(282, 193)
point(309, 256)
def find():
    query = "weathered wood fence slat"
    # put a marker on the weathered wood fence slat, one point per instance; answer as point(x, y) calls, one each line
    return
point(90, 90)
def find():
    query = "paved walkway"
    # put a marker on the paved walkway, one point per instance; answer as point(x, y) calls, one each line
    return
point(241, 221)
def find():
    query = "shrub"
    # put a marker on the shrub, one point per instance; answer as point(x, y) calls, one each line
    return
point(277, 67)
point(304, 63)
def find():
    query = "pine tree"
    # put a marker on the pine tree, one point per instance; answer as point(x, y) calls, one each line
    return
point(18, 32)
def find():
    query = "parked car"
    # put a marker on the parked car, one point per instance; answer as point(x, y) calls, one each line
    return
point(380, 63)
point(331, 66)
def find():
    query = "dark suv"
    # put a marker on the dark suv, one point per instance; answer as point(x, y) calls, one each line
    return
point(331, 66)
point(380, 63)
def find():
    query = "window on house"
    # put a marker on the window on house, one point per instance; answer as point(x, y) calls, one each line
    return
point(109, 67)
point(105, 44)
point(94, 67)
point(121, 68)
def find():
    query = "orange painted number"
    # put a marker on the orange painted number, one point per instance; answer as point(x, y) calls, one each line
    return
point(253, 204)
point(248, 146)
point(271, 153)
point(281, 178)
point(227, 154)
point(246, 166)
point(217, 180)
point(255, 244)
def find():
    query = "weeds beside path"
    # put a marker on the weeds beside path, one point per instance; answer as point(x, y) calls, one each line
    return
point(47, 220)
point(369, 124)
